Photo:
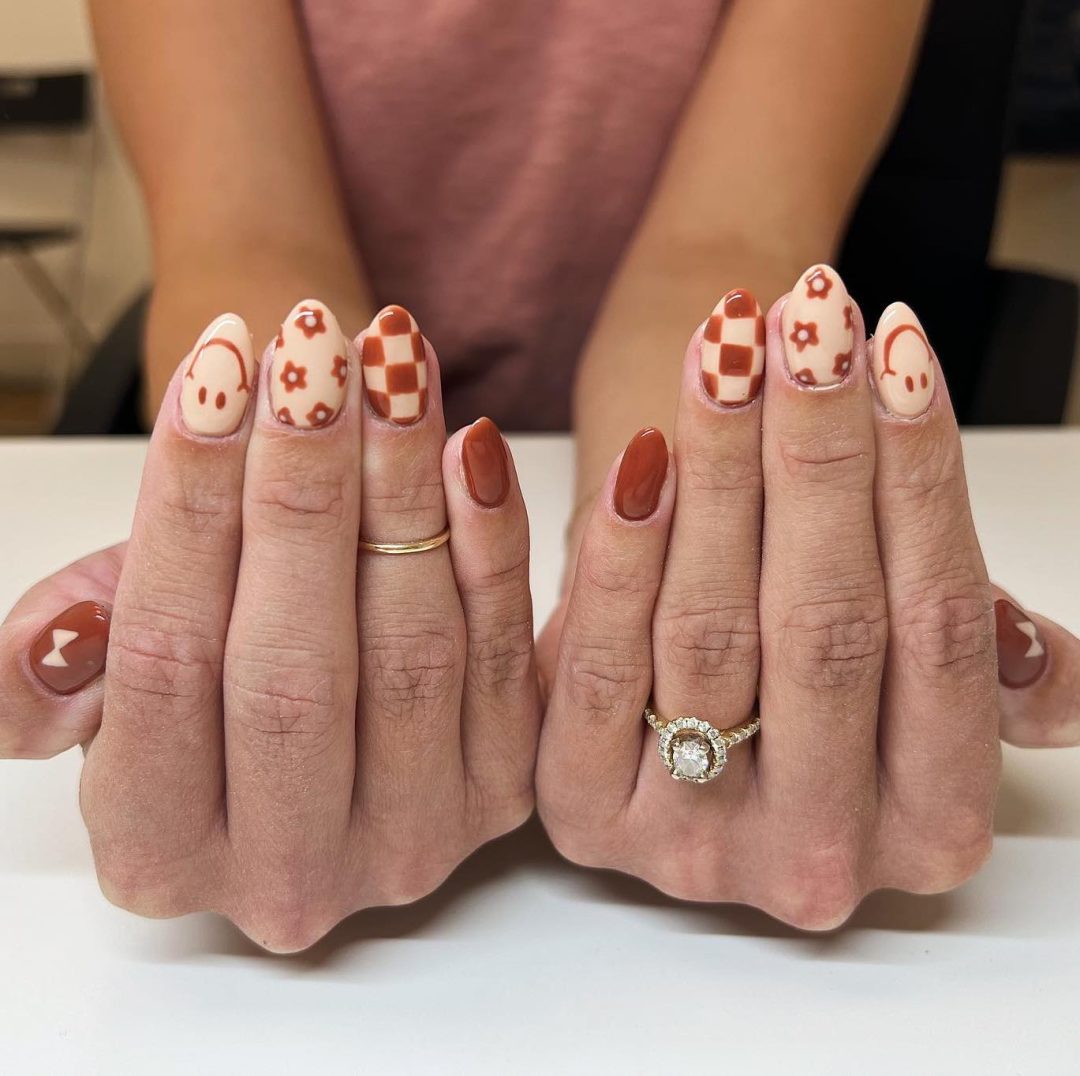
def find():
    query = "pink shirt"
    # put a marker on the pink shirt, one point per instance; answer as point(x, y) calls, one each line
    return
point(496, 156)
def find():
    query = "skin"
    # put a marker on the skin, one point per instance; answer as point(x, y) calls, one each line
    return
point(284, 733)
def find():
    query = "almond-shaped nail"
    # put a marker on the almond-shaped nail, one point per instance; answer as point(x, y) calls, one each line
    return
point(903, 362)
point(310, 367)
point(395, 367)
point(817, 326)
point(483, 459)
point(218, 378)
point(641, 476)
point(733, 349)
point(1022, 656)
point(70, 651)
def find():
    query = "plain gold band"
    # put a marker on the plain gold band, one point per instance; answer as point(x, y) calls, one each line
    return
point(398, 548)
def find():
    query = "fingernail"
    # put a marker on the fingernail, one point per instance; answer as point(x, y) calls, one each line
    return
point(70, 651)
point(395, 367)
point(817, 327)
point(1022, 655)
point(483, 458)
point(218, 377)
point(311, 367)
point(903, 362)
point(641, 476)
point(733, 349)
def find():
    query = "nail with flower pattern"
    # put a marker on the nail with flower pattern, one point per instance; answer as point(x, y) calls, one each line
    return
point(310, 367)
point(733, 349)
point(218, 378)
point(817, 328)
point(395, 366)
point(903, 362)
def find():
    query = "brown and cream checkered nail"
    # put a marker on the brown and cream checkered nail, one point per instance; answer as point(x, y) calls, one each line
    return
point(733, 349)
point(395, 366)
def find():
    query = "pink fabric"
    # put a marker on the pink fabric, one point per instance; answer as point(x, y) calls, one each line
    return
point(496, 156)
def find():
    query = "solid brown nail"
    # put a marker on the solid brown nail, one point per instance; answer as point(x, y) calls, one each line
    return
point(1022, 656)
point(483, 459)
point(70, 651)
point(641, 476)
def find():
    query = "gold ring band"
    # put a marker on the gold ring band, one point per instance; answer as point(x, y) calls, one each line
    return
point(396, 549)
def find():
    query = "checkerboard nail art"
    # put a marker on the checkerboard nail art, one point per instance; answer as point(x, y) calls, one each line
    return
point(903, 362)
point(310, 367)
point(395, 367)
point(817, 328)
point(733, 349)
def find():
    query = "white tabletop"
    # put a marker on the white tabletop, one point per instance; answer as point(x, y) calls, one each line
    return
point(521, 964)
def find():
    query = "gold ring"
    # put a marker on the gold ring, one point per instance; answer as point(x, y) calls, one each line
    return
point(398, 548)
point(694, 750)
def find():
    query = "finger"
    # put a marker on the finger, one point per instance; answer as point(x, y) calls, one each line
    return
point(290, 666)
point(823, 617)
point(705, 629)
point(939, 723)
point(51, 689)
point(412, 635)
point(1038, 675)
point(490, 552)
point(154, 775)
point(591, 741)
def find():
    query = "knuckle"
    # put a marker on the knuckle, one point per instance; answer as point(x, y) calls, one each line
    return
point(286, 925)
point(704, 645)
point(822, 889)
point(139, 881)
point(833, 458)
point(501, 658)
point(189, 502)
point(412, 662)
point(949, 629)
point(602, 679)
point(953, 852)
point(609, 577)
point(404, 494)
point(316, 503)
point(156, 657)
point(732, 476)
point(834, 642)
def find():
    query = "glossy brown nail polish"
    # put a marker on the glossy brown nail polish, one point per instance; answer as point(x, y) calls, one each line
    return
point(70, 651)
point(641, 476)
point(483, 459)
point(1022, 655)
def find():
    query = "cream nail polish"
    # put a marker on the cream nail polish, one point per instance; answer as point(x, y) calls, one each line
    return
point(395, 366)
point(903, 362)
point(733, 349)
point(310, 367)
point(218, 379)
point(817, 326)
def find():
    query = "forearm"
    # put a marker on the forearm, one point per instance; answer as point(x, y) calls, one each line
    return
point(261, 285)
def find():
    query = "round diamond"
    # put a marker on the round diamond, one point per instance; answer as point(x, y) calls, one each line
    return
point(690, 757)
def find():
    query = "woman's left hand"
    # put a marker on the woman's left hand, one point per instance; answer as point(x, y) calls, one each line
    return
point(820, 562)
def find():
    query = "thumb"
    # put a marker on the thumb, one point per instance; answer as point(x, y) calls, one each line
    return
point(52, 652)
point(1039, 674)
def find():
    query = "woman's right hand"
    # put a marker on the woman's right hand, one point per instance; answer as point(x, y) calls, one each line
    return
point(291, 729)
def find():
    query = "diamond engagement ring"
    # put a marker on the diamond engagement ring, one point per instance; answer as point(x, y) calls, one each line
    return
point(692, 749)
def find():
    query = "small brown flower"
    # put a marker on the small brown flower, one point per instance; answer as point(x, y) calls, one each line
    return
point(319, 415)
point(341, 368)
point(804, 335)
point(293, 376)
point(842, 364)
point(310, 321)
point(848, 323)
point(806, 377)
point(284, 415)
point(818, 285)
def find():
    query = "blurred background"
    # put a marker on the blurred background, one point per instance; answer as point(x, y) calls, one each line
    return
point(976, 203)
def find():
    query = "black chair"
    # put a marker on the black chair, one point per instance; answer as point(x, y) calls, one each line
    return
point(54, 103)
point(921, 232)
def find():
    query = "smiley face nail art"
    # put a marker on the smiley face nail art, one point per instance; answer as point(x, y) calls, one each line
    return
point(310, 367)
point(903, 362)
point(218, 378)
point(817, 325)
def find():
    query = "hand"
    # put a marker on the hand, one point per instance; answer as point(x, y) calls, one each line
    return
point(820, 559)
point(290, 731)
